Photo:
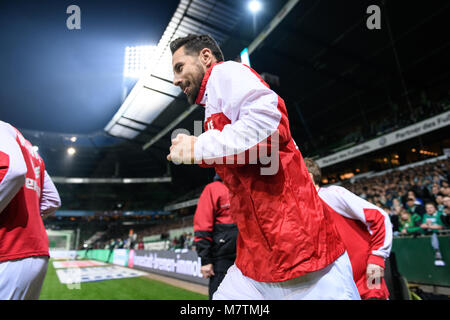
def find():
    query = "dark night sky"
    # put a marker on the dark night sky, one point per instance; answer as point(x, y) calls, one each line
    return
point(70, 81)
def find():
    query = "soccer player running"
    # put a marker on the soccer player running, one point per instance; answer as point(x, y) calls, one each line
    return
point(287, 247)
point(27, 194)
point(366, 231)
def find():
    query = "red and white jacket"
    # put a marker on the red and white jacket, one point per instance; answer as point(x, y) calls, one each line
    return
point(26, 193)
point(367, 233)
point(285, 231)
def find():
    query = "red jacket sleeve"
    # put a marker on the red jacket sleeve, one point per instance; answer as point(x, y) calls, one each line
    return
point(12, 165)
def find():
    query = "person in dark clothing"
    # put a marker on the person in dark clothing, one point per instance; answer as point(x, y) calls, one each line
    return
point(113, 244)
point(393, 217)
point(215, 233)
point(414, 207)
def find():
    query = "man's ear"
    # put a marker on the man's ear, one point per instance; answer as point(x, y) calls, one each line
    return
point(207, 57)
point(312, 178)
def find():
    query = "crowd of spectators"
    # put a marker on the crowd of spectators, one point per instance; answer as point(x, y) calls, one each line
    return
point(417, 199)
point(184, 241)
point(121, 239)
point(389, 120)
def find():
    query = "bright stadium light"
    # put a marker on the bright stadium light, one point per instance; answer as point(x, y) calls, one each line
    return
point(137, 60)
point(71, 151)
point(254, 6)
point(73, 139)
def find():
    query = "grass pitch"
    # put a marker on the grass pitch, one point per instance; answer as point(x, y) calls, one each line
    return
point(139, 288)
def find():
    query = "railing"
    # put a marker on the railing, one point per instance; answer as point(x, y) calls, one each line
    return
point(416, 259)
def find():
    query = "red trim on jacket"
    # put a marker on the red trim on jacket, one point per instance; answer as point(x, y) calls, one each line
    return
point(202, 89)
point(4, 165)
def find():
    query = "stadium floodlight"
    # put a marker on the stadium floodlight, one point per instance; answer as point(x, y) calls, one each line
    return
point(254, 6)
point(137, 60)
point(73, 139)
point(71, 151)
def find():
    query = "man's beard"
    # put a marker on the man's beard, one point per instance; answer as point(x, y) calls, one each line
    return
point(195, 86)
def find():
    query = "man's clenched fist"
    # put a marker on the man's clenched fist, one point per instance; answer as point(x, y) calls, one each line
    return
point(207, 270)
point(182, 149)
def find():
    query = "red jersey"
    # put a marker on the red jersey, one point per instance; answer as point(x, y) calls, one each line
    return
point(367, 233)
point(285, 231)
point(22, 176)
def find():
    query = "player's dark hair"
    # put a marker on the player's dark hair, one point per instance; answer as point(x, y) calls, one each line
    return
point(193, 44)
point(314, 169)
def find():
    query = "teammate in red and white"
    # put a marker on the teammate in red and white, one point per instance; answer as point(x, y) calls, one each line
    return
point(366, 231)
point(215, 233)
point(287, 247)
point(27, 194)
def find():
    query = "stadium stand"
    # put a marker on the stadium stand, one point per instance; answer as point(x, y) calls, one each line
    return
point(396, 117)
point(428, 183)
